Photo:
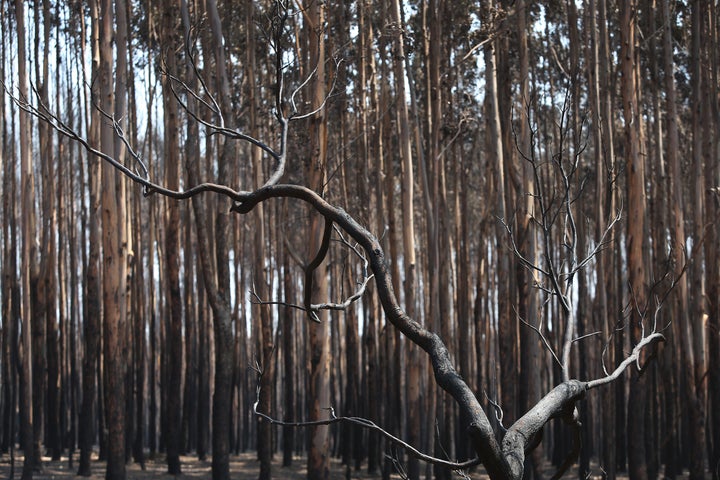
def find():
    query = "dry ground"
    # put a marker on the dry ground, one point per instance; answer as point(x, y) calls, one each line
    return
point(242, 467)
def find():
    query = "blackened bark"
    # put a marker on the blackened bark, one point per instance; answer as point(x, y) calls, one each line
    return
point(91, 324)
point(173, 411)
point(289, 365)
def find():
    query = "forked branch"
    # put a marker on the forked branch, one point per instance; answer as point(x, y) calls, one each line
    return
point(502, 460)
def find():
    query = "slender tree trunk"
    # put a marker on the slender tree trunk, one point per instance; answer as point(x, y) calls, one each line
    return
point(371, 337)
point(28, 255)
point(616, 447)
point(289, 365)
point(114, 258)
point(529, 389)
point(9, 272)
point(506, 322)
point(265, 341)
point(712, 205)
point(203, 419)
point(93, 300)
point(45, 331)
point(174, 333)
point(191, 416)
point(139, 343)
point(408, 229)
point(39, 281)
point(319, 382)
point(675, 180)
point(637, 465)
point(697, 301)
point(218, 288)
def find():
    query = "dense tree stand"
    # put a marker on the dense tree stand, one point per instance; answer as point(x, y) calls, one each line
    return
point(461, 234)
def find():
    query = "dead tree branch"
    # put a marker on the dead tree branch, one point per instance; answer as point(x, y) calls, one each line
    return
point(503, 460)
point(372, 426)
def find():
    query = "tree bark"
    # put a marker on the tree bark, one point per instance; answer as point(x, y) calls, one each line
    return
point(28, 274)
point(93, 299)
point(634, 166)
point(319, 382)
point(712, 205)
point(265, 340)
point(529, 388)
point(507, 333)
point(217, 278)
point(696, 328)
point(114, 265)
point(174, 330)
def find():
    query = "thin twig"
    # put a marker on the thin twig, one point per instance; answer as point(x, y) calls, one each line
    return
point(368, 424)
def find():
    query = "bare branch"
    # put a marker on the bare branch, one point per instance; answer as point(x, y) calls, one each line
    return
point(42, 113)
point(322, 105)
point(501, 461)
point(215, 129)
point(600, 245)
point(499, 414)
point(583, 337)
point(369, 425)
point(312, 266)
point(516, 251)
point(480, 429)
point(347, 302)
point(298, 89)
point(215, 107)
point(629, 360)
point(544, 340)
point(316, 307)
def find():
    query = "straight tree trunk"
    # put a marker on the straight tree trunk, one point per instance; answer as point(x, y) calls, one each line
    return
point(529, 389)
point(675, 179)
point(616, 447)
point(203, 420)
point(506, 330)
point(408, 230)
point(265, 340)
point(39, 282)
point(712, 205)
point(93, 299)
point(114, 258)
point(371, 336)
point(696, 322)
point(120, 110)
point(318, 466)
point(634, 166)
point(174, 333)
point(217, 279)
point(290, 363)
point(9, 274)
point(139, 347)
point(193, 307)
point(190, 390)
point(45, 332)
point(28, 273)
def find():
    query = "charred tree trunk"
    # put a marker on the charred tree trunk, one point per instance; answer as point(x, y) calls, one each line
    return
point(28, 275)
point(634, 164)
point(173, 412)
point(93, 299)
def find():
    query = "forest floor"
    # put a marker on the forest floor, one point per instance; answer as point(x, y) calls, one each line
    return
point(242, 467)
